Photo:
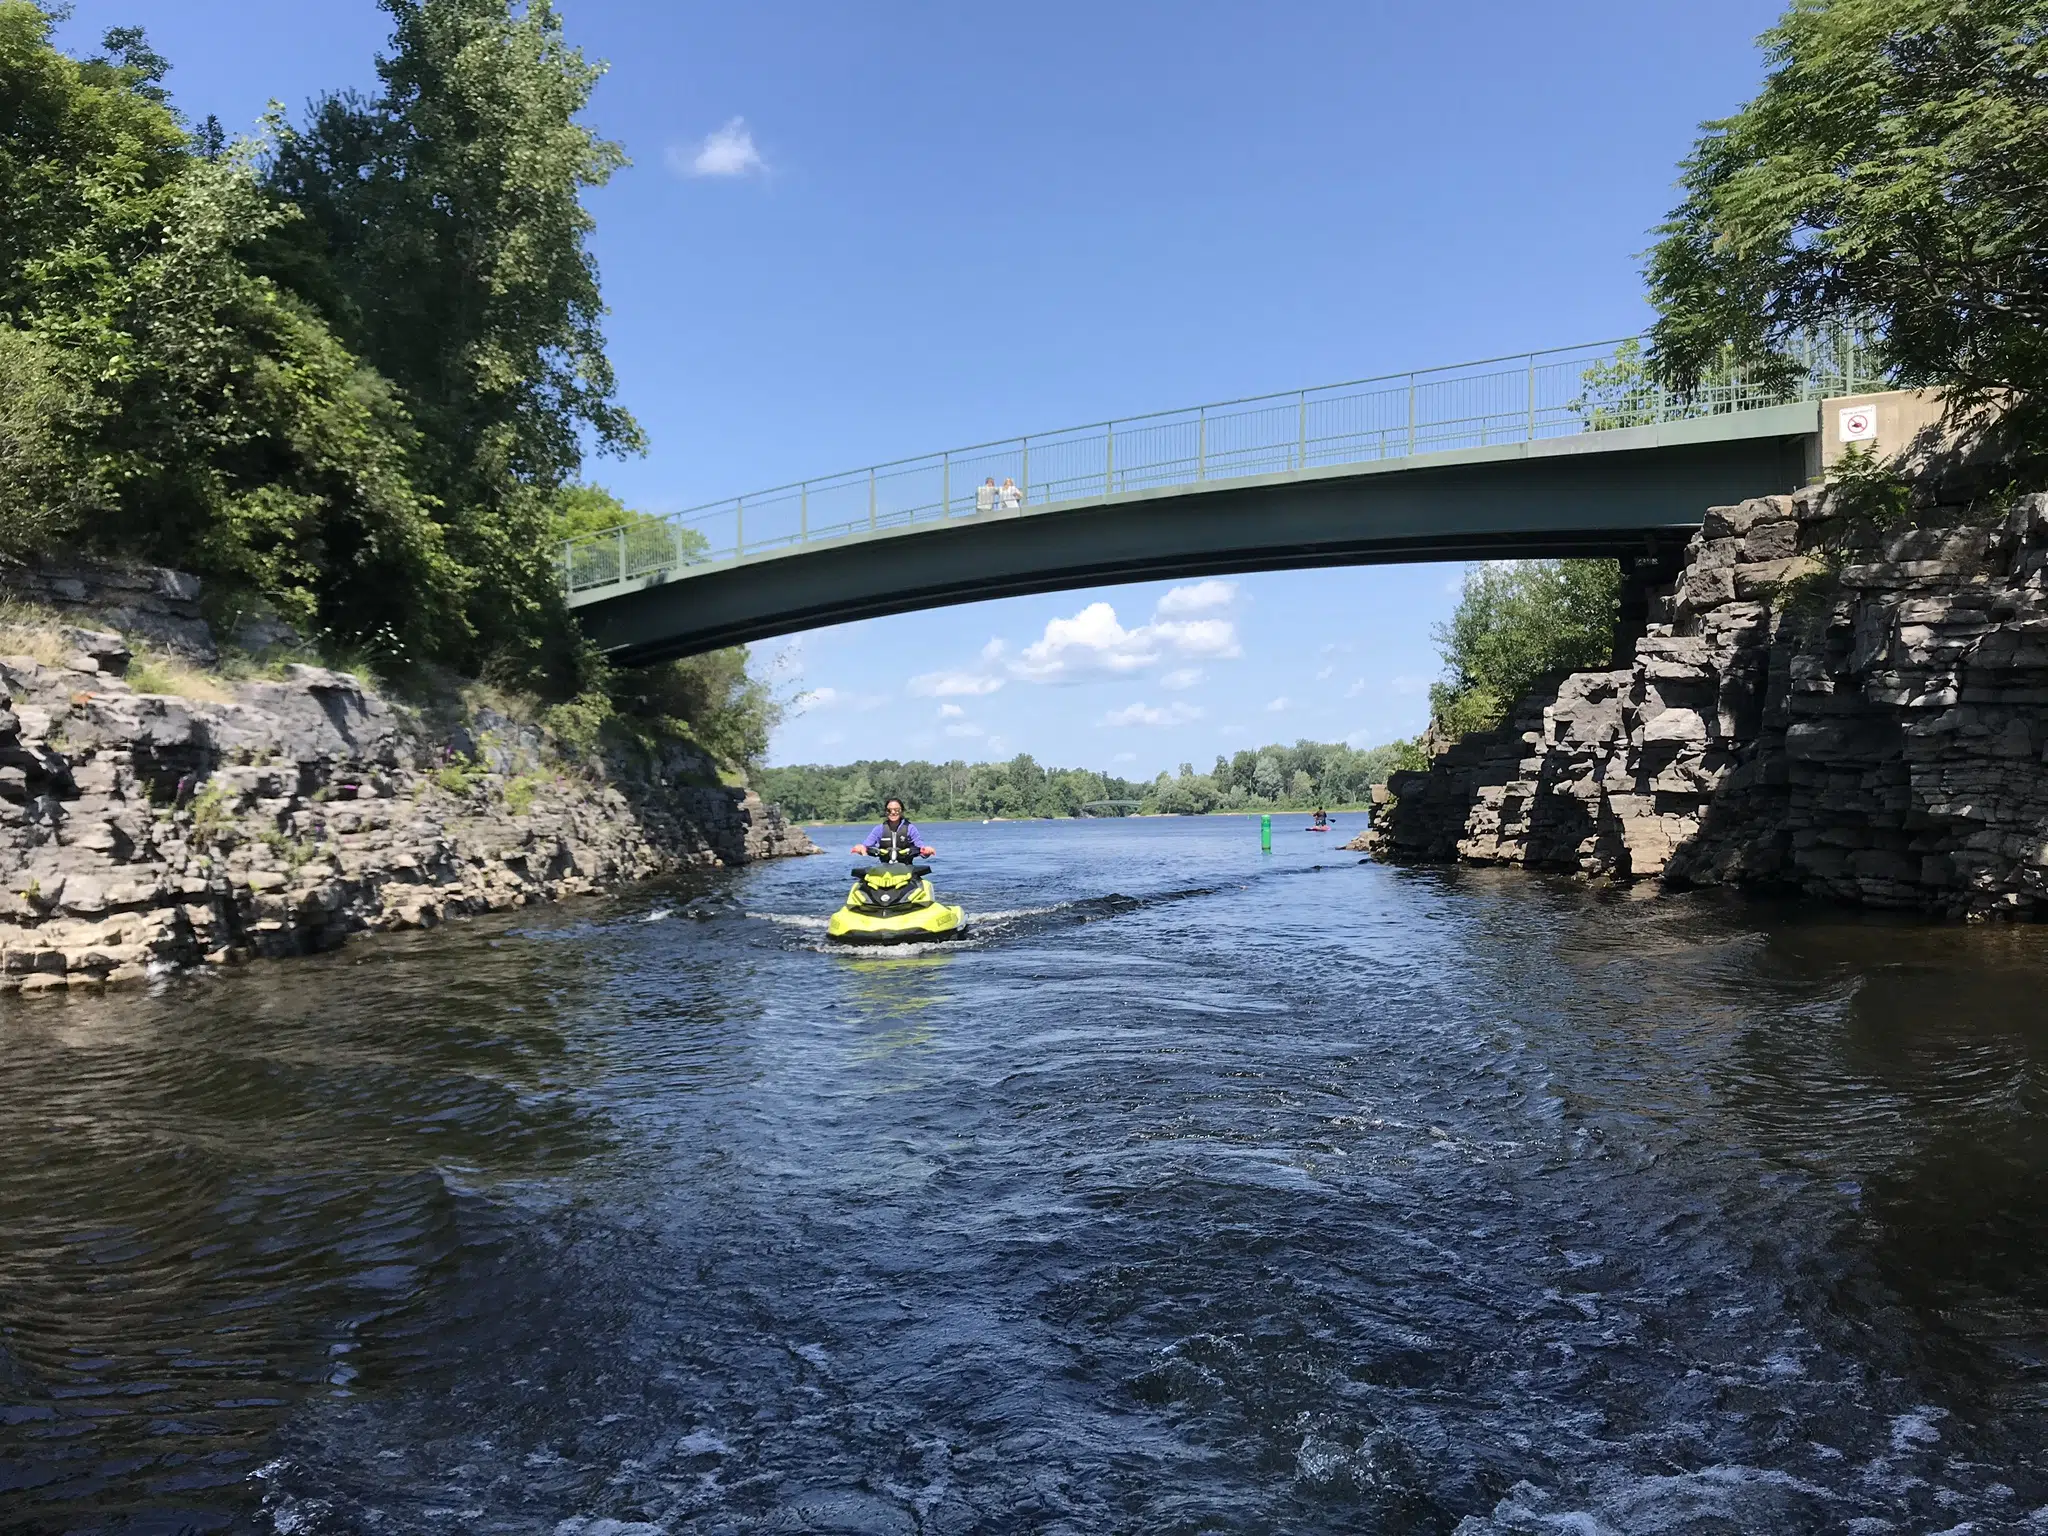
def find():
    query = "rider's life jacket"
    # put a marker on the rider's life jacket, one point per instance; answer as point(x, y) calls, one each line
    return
point(895, 845)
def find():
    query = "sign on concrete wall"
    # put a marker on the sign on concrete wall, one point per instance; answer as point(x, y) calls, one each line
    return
point(1859, 423)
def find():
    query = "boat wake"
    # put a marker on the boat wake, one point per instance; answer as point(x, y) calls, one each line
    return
point(805, 930)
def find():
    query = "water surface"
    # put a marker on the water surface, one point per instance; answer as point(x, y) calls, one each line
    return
point(1198, 1191)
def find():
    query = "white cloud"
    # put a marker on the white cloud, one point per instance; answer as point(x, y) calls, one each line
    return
point(1148, 714)
point(728, 152)
point(1279, 704)
point(950, 711)
point(1324, 675)
point(1093, 643)
point(1357, 687)
point(997, 746)
point(1199, 598)
point(940, 685)
point(968, 729)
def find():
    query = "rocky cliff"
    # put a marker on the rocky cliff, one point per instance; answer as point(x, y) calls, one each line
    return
point(143, 831)
point(1832, 701)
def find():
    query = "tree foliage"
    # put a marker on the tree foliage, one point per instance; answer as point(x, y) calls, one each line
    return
point(445, 238)
point(204, 416)
point(347, 370)
point(1516, 623)
point(1893, 172)
point(38, 493)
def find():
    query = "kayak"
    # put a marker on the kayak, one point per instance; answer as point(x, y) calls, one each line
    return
point(893, 904)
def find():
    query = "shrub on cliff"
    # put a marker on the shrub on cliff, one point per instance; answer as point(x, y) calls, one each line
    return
point(1517, 622)
point(1893, 170)
point(39, 491)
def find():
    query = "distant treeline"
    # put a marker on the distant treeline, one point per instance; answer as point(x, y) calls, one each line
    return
point(1301, 777)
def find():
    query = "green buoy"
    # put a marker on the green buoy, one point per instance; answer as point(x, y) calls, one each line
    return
point(1266, 833)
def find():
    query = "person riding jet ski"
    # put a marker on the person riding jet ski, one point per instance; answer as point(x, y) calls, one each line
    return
point(893, 902)
point(894, 838)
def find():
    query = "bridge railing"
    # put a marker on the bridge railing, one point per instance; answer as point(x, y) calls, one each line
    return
point(1504, 400)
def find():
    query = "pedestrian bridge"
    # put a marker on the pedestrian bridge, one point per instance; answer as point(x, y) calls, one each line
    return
point(1572, 452)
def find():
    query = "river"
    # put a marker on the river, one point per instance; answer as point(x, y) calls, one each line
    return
point(1197, 1191)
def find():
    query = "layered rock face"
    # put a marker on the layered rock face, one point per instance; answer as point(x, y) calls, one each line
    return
point(140, 831)
point(1826, 706)
point(145, 602)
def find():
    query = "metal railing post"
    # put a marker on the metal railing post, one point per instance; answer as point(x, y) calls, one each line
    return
point(871, 501)
point(1301, 438)
point(1532, 397)
point(620, 538)
point(1024, 500)
point(803, 514)
point(739, 527)
point(946, 486)
point(1202, 445)
point(677, 530)
point(1109, 459)
point(1411, 415)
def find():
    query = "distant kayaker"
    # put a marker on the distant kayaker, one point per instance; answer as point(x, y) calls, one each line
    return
point(893, 837)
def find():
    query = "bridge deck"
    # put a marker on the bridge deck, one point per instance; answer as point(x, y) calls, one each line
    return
point(1635, 490)
point(1573, 452)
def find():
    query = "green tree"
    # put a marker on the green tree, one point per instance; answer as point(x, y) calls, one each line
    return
point(710, 699)
point(205, 418)
point(1516, 623)
point(39, 489)
point(1893, 171)
point(609, 540)
point(447, 239)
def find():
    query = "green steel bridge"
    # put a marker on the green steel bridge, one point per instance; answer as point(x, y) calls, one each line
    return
point(1571, 452)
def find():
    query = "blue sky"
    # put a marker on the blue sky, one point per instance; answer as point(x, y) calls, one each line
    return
point(857, 233)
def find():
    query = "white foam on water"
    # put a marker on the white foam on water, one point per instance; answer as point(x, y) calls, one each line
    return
point(658, 914)
point(1011, 914)
point(1916, 1429)
point(704, 1442)
point(1727, 1496)
point(791, 919)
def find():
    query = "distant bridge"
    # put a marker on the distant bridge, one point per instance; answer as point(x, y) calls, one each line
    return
point(1571, 452)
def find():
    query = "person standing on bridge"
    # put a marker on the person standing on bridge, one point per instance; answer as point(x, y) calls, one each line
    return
point(1012, 497)
point(985, 495)
point(893, 837)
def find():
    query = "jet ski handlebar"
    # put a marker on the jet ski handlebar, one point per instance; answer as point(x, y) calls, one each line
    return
point(861, 871)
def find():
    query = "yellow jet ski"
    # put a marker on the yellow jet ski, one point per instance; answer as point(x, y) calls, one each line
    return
point(893, 904)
